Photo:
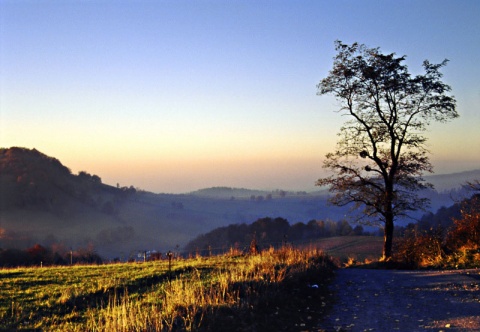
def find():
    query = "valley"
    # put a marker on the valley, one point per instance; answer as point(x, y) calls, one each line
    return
point(42, 202)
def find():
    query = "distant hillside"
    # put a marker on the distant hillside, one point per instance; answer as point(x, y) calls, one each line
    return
point(42, 201)
point(242, 193)
point(444, 216)
point(446, 182)
point(227, 192)
point(30, 179)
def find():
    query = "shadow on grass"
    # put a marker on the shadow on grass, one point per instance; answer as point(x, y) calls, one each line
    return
point(295, 304)
point(71, 302)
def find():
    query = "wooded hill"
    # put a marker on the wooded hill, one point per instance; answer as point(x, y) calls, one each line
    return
point(266, 232)
point(31, 180)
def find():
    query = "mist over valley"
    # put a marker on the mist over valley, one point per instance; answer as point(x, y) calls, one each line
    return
point(42, 202)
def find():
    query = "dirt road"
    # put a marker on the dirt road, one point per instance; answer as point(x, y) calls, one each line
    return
point(390, 300)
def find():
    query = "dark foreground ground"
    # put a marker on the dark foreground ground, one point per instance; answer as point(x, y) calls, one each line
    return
point(391, 300)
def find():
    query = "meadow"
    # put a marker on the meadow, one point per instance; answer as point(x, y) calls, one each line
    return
point(280, 289)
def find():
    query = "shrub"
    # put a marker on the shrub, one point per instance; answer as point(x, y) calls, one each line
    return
point(420, 250)
point(465, 233)
point(458, 248)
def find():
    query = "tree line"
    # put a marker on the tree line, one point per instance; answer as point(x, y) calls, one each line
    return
point(270, 232)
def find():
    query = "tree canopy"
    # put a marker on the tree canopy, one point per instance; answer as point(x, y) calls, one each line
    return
point(381, 153)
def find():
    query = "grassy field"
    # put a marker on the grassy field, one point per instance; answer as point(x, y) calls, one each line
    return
point(283, 289)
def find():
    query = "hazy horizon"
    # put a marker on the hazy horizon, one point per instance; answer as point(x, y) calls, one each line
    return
point(175, 96)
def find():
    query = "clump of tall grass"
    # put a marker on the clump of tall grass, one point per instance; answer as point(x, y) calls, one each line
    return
point(125, 314)
point(194, 298)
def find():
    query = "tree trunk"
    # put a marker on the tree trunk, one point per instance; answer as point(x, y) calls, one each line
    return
point(388, 238)
point(388, 231)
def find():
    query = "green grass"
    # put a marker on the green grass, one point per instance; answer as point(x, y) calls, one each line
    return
point(217, 293)
point(42, 297)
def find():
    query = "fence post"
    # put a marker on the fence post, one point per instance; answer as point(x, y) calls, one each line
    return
point(170, 256)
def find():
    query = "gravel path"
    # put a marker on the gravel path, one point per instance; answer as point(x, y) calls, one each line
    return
point(390, 300)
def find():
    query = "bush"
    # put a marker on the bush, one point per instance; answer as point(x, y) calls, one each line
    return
point(458, 248)
point(465, 233)
point(420, 249)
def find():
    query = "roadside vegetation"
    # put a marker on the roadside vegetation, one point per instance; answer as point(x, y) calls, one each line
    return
point(279, 289)
point(456, 246)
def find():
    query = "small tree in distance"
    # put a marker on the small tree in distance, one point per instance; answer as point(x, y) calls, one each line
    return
point(381, 154)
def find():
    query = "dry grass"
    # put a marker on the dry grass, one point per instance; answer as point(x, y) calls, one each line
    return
point(217, 293)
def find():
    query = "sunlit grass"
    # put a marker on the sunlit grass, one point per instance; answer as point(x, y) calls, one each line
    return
point(152, 297)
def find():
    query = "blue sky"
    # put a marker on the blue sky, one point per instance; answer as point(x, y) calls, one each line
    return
point(172, 96)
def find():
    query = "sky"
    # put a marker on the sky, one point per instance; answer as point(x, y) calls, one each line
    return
point(174, 96)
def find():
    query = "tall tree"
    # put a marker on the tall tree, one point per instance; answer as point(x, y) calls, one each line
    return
point(381, 154)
